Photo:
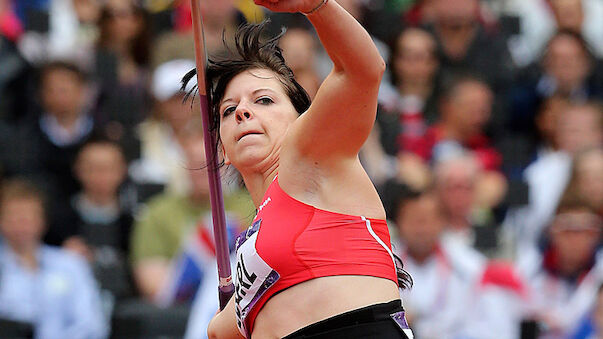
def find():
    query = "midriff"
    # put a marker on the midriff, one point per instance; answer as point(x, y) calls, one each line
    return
point(318, 299)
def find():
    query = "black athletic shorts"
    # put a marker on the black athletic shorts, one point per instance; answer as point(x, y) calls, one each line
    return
point(382, 321)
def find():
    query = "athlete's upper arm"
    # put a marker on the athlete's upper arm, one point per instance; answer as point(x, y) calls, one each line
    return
point(340, 118)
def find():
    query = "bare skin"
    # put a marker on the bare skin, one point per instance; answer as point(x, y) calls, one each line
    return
point(316, 158)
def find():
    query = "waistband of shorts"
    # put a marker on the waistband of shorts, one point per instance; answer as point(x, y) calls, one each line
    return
point(364, 315)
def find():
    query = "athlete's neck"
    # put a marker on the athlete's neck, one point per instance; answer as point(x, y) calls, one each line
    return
point(257, 183)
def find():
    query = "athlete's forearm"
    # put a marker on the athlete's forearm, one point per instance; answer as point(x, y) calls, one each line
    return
point(349, 45)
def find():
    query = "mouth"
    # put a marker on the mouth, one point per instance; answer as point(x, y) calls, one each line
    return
point(248, 133)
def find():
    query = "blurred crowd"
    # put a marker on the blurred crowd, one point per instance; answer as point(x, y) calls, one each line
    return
point(487, 152)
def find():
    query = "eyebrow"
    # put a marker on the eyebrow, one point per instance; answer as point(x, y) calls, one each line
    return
point(252, 93)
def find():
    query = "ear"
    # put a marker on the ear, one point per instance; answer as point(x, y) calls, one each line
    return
point(225, 157)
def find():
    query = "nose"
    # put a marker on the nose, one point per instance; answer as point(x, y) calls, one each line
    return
point(243, 113)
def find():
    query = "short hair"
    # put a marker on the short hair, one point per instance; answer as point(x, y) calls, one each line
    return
point(60, 65)
point(101, 140)
point(251, 52)
point(452, 81)
point(20, 189)
point(574, 35)
point(395, 194)
point(573, 202)
point(466, 160)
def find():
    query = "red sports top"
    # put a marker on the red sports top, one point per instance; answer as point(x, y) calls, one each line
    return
point(291, 242)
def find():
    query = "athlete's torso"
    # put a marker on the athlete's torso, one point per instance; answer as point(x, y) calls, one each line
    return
point(291, 242)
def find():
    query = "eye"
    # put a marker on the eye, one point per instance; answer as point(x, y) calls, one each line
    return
point(228, 110)
point(264, 101)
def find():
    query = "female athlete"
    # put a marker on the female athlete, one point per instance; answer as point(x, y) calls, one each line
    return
point(317, 262)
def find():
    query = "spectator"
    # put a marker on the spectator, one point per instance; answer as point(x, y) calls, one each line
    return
point(465, 110)
point(169, 219)
point(359, 10)
point(122, 61)
point(586, 181)
point(577, 128)
point(162, 158)
point(467, 194)
point(73, 30)
point(452, 283)
point(465, 46)
point(410, 104)
point(47, 145)
point(565, 277)
point(440, 282)
point(299, 50)
point(567, 69)
point(99, 221)
point(45, 286)
point(540, 19)
point(219, 17)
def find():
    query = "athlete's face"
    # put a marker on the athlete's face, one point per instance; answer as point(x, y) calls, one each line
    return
point(255, 114)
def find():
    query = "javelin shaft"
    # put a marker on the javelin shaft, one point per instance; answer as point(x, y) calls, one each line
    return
point(226, 288)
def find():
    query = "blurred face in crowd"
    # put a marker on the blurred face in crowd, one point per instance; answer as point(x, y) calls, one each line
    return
point(456, 183)
point(174, 113)
point(101, 168)
point(589, 176)
point(568, 14)
point(575, 235)
point(420, 224)
point(467, 110)
point(298, 49)
point(88, 11)
point(415, 61)
point(22, 222)
point(567, 62)
point(579, 127)
point(62, 93)
point(124, 24)
point(455, 15)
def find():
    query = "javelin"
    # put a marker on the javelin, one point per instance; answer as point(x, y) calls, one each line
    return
point(225, 287)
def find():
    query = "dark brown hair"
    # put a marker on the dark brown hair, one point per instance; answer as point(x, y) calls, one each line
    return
point(140, 46)
point(20, 189)
point(66, 66)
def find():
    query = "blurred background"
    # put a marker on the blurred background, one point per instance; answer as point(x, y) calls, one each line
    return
point(487, 152)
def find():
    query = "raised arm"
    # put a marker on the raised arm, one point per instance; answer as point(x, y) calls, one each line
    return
point(343, 112)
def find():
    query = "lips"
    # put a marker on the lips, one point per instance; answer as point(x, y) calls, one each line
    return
point(246, 133)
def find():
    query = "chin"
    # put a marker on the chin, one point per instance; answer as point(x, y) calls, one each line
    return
point(249, 159)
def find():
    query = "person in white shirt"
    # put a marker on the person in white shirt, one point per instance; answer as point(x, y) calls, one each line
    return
point(564, 278)
point(456, 292)
point(47, 287)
